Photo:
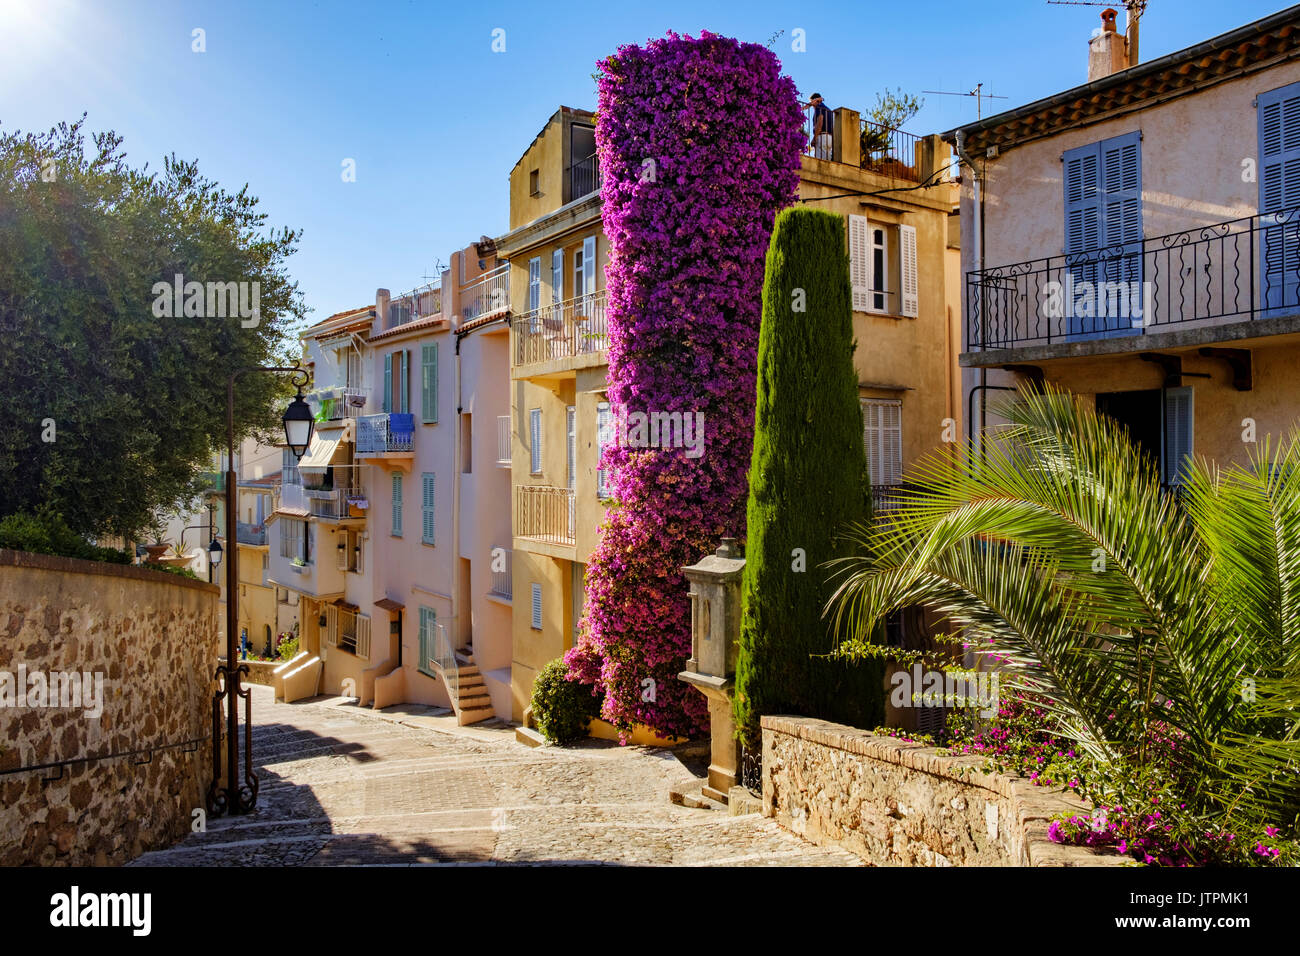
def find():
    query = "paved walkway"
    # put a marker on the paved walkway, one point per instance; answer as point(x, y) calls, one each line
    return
point(347, 785)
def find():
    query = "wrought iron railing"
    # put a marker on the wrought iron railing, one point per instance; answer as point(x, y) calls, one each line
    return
point(1239, 270)
point(421, 303)
point(437, 656)
point(575, 326)
point(248, 533)
point(502, 580)
point(487, 296)
point(889, 151)
point(821, 148)
point(584, 177)
point(385, 432)
point(544, 513)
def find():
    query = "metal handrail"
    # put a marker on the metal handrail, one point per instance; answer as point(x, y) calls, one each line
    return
point(575, 326)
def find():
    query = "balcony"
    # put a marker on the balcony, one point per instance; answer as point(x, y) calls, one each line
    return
point(572, 328)
point(584, 177)
point(1214, 283)
point(422, 303)
point(489, 296)
point(338, 402)
point(544, 514)
point(880, 149)
point(247, 533)
point(389, 434)
point(503, 440)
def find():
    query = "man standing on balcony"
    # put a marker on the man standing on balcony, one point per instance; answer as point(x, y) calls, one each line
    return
point(821, 131)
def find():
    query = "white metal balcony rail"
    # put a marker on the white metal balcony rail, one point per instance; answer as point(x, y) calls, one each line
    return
point(575, 326)
point(347, 630)
point(420, 303)
point(385, 432)
point(544, 513)
point(339, 402)
point(502, 585)
point(503, 439)
point(489, 295)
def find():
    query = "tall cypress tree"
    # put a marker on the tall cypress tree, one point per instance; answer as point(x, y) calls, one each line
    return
point(807, 484)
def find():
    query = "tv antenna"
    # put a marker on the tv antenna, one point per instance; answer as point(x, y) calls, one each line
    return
point(1132, 8)
point(978, 93)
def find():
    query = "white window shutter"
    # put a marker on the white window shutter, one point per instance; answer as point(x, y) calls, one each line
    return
point(363, 637)
point(602, 439)
point(535, 440)
point(882, 434)
point(341, 548)
point(571, 423)
point(1179, 429)
point(859, 263)
point(911, 285)
point(537, 607)
point(589, 265)
point(331, 625)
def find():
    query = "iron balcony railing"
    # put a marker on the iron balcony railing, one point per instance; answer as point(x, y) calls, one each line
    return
point(889, 151)
point(1239, 270)
point(421, 303)
point(584, 177)
point(249, 533)
point(385, 432)
point(820, 148)
point(573, 327)
point(544, 513)
point(489, 295)
point(502, 585)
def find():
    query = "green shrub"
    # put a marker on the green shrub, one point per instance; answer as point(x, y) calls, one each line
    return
point(562, 708)
point(50, 534)
point(807, 485)
point(288, 648)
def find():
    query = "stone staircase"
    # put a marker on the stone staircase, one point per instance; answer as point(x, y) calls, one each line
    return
point(468, 690)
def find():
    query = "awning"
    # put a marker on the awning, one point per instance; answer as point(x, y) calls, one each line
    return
point(388, 604)
point(320, 454)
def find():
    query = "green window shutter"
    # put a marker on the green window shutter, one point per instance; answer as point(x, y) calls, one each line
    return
point(429, 383)
point(404, 398)
point(428, 524)
point(397, 505)
point(388, 382)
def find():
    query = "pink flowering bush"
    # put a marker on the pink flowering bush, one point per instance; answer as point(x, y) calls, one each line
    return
point(699, 142)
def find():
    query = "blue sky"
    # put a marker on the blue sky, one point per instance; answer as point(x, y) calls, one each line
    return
point(434, 119)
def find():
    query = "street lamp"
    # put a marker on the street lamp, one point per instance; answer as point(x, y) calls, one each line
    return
point(236, 797)
point(214, 552)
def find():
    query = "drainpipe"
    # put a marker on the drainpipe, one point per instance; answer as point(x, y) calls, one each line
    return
point(977, 225)
point(455, 514)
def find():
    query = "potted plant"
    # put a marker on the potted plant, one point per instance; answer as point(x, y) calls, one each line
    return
point(159, 547)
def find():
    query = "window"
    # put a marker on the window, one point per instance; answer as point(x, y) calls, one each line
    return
point(557, 275)
point(603, 437)
point(293, 539)
point(347, 630)
point(535, 441)
point(534, 284)
point(396, 378)
point(427, 524)
point(537, 607)
point(1178, 432)
point(349, 551)
point(534, 183)
point(882, 434)
point(429, 383)
point(428, 642)
point(1103, 208)
point(878, 284)
point(397, 505)
point(1279, 189)
point(353, 367)
point(584, 268)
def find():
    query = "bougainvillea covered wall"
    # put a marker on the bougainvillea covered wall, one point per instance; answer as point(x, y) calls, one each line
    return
point(699, 142)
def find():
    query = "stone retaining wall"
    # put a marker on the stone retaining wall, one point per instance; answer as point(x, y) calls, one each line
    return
point(896, 803)
point(149, 635)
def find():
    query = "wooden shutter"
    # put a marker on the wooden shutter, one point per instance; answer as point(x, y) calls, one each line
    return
point(910, 281)
point(1121, 218)
point(403, 396)
point(571, 427)
point(534, 284)
point(535, 441)
point(429, 383)
point(331, 625)
point(1279, 189)
point(388, 382)
point(427, 527)
point(602, 439)
point(882, 436)
point(363, 637)
point(397, 505)
point(1178, 432)
point(557, 275)
point(537, 607)
point(589, 265)
point(859, 263)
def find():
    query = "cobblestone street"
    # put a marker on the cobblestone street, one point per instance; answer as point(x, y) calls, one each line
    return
point(346, 785)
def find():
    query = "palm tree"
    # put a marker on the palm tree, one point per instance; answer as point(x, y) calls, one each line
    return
point(1127, 609)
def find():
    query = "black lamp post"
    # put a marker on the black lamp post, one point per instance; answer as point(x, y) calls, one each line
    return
point(236, 797)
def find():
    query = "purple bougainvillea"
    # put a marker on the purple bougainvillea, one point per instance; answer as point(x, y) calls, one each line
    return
point(699, 142)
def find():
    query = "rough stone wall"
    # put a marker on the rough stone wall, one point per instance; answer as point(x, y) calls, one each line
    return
point(896, 803)
point(149, 634)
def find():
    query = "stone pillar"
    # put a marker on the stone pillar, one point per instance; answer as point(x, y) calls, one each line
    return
point(715, 634)
point(932, 154)
point(846, 137)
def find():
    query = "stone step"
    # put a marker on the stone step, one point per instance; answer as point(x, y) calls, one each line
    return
point(529, 737)
point(472, 715)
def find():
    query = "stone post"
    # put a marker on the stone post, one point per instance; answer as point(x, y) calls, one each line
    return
point(715, 635)
point(846, 137)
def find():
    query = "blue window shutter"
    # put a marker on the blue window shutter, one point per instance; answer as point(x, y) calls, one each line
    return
point(1178, 434)
point(1279, 190)
point(427, 527)
point(388, 382)
point(429, 383)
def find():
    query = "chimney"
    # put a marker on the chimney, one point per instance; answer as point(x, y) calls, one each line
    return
point(1107, 50)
